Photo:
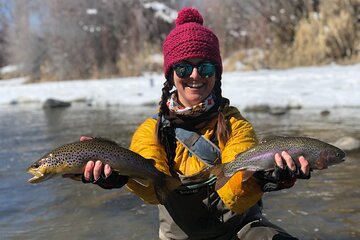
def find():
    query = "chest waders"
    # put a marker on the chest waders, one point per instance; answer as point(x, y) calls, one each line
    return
point(195, 210)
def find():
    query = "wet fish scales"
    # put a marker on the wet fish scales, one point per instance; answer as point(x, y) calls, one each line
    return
point(319, 154)
point(72, 158)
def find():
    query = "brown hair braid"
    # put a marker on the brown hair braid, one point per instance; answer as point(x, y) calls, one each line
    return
point(166, 134)
point(222, 131)
point(164, 110)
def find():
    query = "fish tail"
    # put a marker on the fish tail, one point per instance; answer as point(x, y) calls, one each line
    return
point(218, 171)
point(247, 174)
point(167, 185)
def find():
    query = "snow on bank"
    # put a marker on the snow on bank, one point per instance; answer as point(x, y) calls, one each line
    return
point(327, 87)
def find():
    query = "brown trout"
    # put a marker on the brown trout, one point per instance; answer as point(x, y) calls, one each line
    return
point(72, 158)
point(319, 154)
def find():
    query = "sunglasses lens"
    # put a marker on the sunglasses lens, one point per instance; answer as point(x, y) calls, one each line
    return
point(206, 70)
point(183, 70)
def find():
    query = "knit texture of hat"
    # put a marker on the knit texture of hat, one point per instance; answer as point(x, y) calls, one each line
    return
point(190, 39)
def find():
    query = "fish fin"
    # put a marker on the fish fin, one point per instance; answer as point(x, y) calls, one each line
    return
point(163, 190)
point(237, 155)
point(172, 183)
point(76, 177)
point(197, 177)
point(221, 181)
point(142, 182)
point(271, 138)
point(161, 194)
point(265, 139)
point(247, 174)
point(103, 139)
point(217, 170)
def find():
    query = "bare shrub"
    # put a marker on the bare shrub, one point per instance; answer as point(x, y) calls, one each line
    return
point(332, 34)
point(341, 31)
point(98, 38)
point(84, 38)
point(309, 47)
point(3, 28)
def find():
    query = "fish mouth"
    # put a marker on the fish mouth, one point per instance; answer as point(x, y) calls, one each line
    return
point(38, 176)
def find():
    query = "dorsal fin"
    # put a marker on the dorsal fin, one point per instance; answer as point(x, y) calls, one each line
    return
point(101, 139)
point(270, 138)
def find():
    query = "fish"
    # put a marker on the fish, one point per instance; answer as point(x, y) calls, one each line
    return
point(319, 154)
point(71, 158)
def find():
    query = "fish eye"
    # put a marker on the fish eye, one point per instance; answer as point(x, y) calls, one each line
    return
point(36, 165)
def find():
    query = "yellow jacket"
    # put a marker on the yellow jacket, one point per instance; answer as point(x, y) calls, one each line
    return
point(237, 195)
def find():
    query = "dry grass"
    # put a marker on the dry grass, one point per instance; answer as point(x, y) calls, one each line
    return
point(134, 64)
point(245, 60)
point(332, 35)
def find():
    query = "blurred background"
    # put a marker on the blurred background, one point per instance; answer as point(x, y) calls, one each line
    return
point(49, 40)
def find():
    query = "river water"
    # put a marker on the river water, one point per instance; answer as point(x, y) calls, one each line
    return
point(325, 207)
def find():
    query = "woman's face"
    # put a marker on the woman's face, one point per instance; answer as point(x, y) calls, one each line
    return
point(193, 89)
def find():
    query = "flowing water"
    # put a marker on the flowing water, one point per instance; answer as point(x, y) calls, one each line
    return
point(325, 207)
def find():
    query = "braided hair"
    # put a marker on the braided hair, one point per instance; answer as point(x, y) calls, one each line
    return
point(222, 131)
point(164, 132)
point(164, 110)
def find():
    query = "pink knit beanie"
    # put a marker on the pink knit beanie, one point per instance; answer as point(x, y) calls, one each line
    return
point(190, 39)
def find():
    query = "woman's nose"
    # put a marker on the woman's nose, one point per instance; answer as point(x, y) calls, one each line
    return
point(195, 73)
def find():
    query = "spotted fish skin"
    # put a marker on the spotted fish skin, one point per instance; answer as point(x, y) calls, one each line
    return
point(71, 159)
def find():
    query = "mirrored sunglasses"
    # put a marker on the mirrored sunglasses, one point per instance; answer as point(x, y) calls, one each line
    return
point(205, 69)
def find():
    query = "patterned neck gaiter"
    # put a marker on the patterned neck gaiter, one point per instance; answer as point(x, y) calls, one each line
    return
point(194, 111)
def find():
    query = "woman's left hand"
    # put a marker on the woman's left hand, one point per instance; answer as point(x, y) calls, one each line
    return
point(286, 171)
point(301, 168)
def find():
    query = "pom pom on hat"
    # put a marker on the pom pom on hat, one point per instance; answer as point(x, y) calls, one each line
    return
point(189, 15)
point(190, 39)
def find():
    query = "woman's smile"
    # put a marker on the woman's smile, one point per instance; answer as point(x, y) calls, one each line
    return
point(194, 85)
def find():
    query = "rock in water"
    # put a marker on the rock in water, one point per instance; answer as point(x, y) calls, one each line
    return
point(54, 103)
point(348, 143)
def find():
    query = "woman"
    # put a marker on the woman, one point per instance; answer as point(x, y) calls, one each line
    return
point(195, 112)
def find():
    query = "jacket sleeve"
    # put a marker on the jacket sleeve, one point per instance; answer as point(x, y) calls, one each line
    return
point(238, 195)
point(144, 142)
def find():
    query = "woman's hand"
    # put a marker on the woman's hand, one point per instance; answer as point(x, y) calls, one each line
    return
point(98, 173)
point(93, 171)
point(302, 168)
point(286, 171)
